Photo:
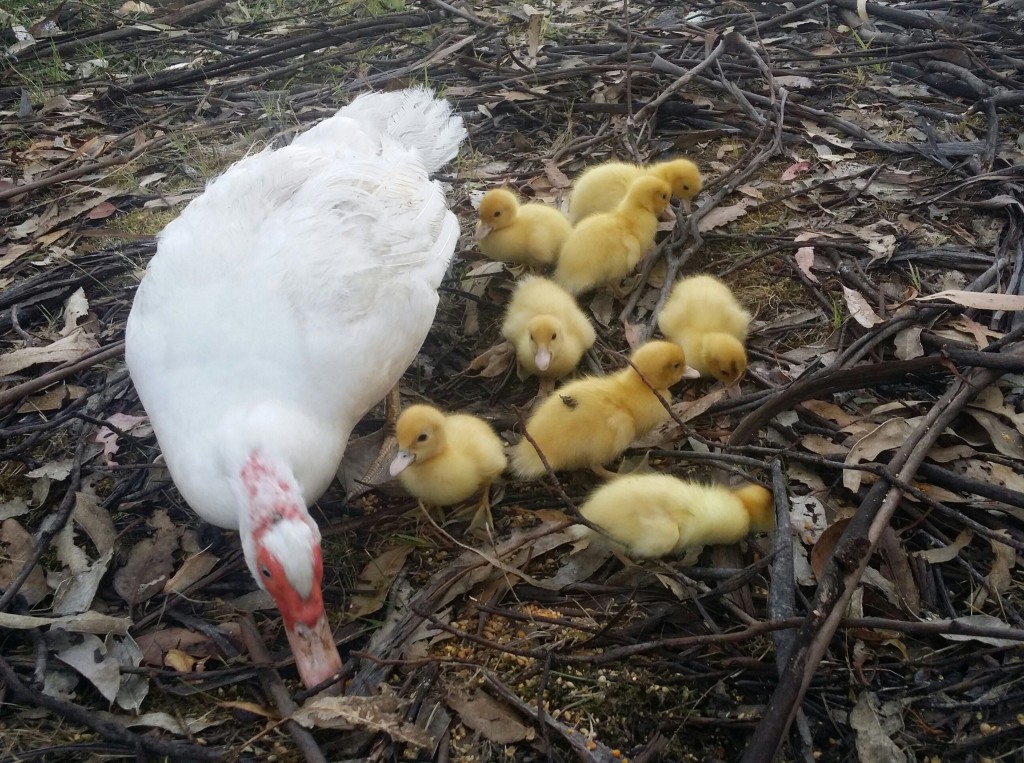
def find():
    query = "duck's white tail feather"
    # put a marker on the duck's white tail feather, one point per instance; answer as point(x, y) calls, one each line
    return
point(414, 118)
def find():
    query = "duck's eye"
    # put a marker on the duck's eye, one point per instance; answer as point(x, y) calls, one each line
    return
point(554, 335)
point(497, 213)
point(265, 571)
point(423, 437)
point(686, 187)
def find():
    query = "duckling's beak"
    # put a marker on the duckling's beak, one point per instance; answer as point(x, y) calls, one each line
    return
point(402, 461)
point(687, 206)
point(482, 231)
point(543, 358)
point(691, 373)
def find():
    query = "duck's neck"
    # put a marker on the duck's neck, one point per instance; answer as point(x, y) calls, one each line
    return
point(271, 503)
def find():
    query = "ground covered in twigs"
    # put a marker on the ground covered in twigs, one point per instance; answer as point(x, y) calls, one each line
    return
point(857, 166)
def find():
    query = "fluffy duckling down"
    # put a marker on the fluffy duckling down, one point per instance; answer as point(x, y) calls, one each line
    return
point(547, 328)
point(527, 234)
point(601, 188)
point(590, 422)
point(446, 459)
point(653, 515)
point(606, 247)
point(703, 317)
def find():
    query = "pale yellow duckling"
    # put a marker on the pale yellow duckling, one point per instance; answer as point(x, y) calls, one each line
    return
point(446, 459)
point(548, 330)
point(703, 317)
point(653, 515)
point(527, 234)
point(590, 422)
point(606, 247)
point(601, 188)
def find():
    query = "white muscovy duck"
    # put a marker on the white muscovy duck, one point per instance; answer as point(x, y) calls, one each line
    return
point(279, 308)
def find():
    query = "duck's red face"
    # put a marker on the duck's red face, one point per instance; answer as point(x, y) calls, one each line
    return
point(283, 552)
point(300, 601)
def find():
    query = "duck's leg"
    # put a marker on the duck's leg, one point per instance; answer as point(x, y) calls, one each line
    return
point(602, 471)
point(618, 291)
point(545, 388)
point(358, 481)
point(482, 518)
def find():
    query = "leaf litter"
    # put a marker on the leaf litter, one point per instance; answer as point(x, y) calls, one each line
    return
point(883, 226)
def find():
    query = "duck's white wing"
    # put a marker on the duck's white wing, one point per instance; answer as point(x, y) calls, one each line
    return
point(283, 304)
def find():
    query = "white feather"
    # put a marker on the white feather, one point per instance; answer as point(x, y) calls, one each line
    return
point(291, 296)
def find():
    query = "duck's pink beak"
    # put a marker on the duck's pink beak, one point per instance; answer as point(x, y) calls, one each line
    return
point(316, 656)
point(482, 232)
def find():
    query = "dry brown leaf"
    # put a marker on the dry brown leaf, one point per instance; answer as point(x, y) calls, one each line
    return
point(558, 178)
point(999, 577)
point(887, 436)
point(908, 343)
point(897, 565)
point(804, 257)
point(494, 719)
point(16, 548)
point(249, 707)
point(980, 621)
point(493, 362)
point(95, 521)
point(877, 724)
point(831, 411)
point(381, 713)
point(720, 216)
point(101, 211)
point(946, 553)
point(76, 307)
point(150, 562)
point(155, 644)
point(793, 170)
point(979, 300)
point(68, 348)
point(108, 438)
point(53, 399)
point(90, 621)
point(823, 446)
point(859, 308)
point(823, 547)
point(982, 335)
point(192, 570)
point(1005, 438)
point(375, 581)
point(91, 658)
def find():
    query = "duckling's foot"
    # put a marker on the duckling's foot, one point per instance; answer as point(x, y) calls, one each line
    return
point(620, 293)
point(482, 518)
point(604, 472)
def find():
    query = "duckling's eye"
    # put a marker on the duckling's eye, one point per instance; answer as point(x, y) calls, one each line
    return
point(423, 437)
point(265, 571)
point(686, 187)
point(554, 335)
point(497, 213)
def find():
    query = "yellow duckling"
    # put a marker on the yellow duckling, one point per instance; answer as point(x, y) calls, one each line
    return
point(444, 460)
point(590, 422)
point(528, 234)
point(548, 330)
point(653, 515)
point(606, 247)
point(601, 188)
point(703, 317)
